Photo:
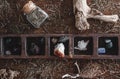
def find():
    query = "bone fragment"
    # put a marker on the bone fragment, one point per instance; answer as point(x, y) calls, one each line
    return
point(82, 12)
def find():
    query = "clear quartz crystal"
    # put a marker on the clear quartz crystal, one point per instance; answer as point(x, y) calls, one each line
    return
point(109, 43)
point(35, 16)
point(82, 45)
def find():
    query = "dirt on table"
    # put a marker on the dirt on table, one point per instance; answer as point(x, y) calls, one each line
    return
point(61, 21)
point(55, 69)
point(61, 18)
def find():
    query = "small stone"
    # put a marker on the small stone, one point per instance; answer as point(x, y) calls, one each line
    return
point(59, 50)
point(35, 48)
point(101, 50)
point(7, 52)
point(109, 43)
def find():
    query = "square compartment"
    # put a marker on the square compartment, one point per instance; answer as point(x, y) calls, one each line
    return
point(82, 40)
point(12, 45)
point(108, 46)
point(56, 40)
point(35, 46)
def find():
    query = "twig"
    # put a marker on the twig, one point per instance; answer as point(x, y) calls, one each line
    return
point(69, 76)
point(45, 29)
point(73, 77)
point(76, 64)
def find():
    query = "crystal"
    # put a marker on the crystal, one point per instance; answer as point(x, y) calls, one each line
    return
point(109, 43)
point(101, 50)
point(82, 45)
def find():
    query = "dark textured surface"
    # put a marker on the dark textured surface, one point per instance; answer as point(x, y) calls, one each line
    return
point(61, 20)
point(55, 69)
point(61, 17)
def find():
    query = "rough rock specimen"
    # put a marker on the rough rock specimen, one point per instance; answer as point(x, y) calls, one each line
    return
point(59, 50)
point(82, 45)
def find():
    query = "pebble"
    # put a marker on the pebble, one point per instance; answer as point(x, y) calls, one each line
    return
point(37, 16)
point(109, 43)
point(59, 50)
point(7, 52)
point(101, 50)
point(54, 40)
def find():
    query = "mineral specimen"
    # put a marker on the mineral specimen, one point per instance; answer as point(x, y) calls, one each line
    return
point(59, 50)
point(109, 43)
point(82, 45)
point(101, 50)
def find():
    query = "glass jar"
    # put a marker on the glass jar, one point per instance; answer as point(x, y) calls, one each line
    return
point(34, 14)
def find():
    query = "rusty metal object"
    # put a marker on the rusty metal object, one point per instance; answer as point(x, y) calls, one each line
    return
point(47, 49)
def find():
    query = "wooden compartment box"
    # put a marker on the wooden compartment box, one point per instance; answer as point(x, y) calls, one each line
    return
point(100, 46)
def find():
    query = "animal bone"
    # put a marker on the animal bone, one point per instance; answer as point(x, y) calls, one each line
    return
point(82, 12)
point(82, 45)
point(76, 64)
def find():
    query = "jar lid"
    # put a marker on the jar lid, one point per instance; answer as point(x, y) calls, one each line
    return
point(28, 7)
